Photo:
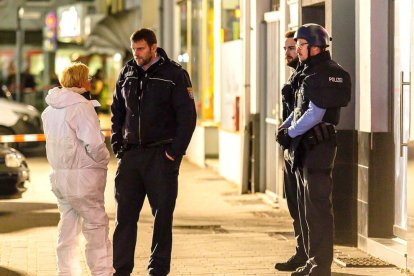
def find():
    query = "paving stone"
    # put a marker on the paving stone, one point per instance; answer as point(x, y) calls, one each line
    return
point(219, 232)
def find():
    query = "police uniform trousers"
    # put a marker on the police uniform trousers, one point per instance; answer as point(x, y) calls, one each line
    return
point(315, 205)
point(291, 192)
point(145, 172)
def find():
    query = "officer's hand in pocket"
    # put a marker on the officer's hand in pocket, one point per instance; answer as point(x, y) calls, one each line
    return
point(120, 153)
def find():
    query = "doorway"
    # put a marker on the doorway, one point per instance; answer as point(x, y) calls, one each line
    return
point(403, 109)
point(272, 111)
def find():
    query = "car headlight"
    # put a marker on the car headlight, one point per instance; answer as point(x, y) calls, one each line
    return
point(24, 116)
point(13, 160)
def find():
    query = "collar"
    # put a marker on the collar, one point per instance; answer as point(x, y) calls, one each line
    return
point(321, 57)
point(78, 90)
point(162, 59)
point(157, 58)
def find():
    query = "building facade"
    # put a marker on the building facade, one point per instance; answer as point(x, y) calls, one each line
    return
point(43, 37)
point(233, 52)
point(373, 41)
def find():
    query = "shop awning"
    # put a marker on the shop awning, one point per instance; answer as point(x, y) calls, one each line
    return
point(111, 34)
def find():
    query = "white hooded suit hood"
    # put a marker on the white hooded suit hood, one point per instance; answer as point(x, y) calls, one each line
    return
point(63, 97)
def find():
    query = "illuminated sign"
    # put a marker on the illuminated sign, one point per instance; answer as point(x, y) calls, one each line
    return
point(50, 20)
point(49, 32)
point(70, 23)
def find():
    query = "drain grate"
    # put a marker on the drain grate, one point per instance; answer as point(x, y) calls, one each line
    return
point(361, 262)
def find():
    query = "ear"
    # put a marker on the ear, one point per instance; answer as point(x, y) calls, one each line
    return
point(314, 50)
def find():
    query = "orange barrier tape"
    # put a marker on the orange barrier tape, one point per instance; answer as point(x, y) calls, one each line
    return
point(18, 138)
point(106, 133)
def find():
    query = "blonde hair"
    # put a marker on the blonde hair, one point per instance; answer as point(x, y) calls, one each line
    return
point(74, 75)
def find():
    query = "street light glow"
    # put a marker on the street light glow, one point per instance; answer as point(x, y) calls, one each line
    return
point(117, 57)
point(21, 12)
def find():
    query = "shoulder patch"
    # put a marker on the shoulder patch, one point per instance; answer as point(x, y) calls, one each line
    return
point(190, 92)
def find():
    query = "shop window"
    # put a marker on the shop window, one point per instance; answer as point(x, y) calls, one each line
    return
point(230, 21)
point(195, 56)
point(231, 66)
point(231, 84)
point(196, 51)
point(183, 56)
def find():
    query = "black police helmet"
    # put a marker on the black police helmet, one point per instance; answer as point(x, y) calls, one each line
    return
point(315, 35)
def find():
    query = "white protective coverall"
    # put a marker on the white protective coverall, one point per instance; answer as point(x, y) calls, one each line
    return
point(78, 156)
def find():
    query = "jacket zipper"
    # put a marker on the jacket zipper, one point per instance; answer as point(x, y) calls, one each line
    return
point(141, 97)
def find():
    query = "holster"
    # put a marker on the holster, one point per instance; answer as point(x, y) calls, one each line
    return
point(318, 134)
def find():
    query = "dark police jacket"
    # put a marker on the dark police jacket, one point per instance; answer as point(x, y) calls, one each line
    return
point(288, 91)
point(326, 84)
point(153, 106)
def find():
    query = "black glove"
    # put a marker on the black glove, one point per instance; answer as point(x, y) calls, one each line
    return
point(283, 138)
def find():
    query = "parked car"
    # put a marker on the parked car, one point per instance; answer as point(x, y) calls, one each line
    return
point(19, 118)
point(14, 172)
point(5, 93)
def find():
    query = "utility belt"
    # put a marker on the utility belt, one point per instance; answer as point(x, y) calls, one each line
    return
point(318, 134)
point(149, 145)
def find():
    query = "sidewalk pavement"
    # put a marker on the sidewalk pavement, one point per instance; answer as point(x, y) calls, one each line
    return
point(216, 232)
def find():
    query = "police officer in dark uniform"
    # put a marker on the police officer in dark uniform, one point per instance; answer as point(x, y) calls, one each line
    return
point(153, 119)
point(289, 177)
point(309, 133)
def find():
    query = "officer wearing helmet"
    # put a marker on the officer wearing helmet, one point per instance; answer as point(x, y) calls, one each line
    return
point(310, 136)
point(299, 258)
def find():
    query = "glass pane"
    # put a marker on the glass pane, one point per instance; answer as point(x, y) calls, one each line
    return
point(401, 64)
point(183, 56)
point(230, 21)
point(195, 58)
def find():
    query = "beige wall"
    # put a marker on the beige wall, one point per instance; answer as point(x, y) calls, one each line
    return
point(151, 15)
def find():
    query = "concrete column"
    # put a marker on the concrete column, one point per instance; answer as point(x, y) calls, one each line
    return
point(340, 23)
point(371, 79)
point(375, 139)
point(167, 23)
point(245, 100)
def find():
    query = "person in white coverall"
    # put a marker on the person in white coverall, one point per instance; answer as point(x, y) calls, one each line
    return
point(78, 156)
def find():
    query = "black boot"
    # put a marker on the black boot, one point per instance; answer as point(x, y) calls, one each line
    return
point(292, 264)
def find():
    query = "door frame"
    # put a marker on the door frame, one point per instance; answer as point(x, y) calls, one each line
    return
point(277, 191)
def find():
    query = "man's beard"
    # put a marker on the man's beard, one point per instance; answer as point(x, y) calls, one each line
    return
point(293, 63)
point(144, 61)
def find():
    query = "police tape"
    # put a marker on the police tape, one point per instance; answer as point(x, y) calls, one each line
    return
point(19, 138)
